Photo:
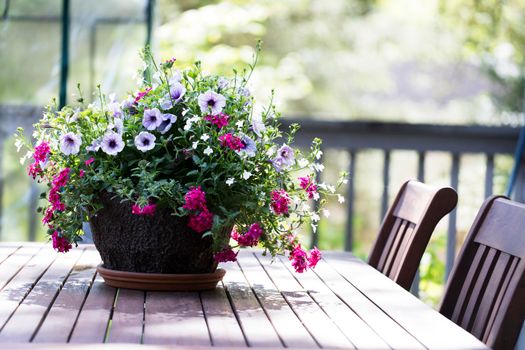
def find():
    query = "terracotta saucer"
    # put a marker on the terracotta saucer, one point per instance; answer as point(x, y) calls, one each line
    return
point(161, 281)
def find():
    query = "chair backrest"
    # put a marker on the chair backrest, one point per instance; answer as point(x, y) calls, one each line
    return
point(485, 293)
point(407, 227)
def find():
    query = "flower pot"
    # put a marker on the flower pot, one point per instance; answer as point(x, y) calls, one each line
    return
point(158, 244)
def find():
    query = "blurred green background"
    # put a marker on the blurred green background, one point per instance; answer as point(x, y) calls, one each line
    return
point(436, 62)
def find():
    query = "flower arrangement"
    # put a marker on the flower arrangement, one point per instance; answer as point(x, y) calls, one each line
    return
point(189, 142)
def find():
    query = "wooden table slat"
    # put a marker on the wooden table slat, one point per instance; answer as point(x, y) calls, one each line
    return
point(256, 327)
point(25, 321)
point(13, 263)
point(15, 291)
point(327, 334)
point(53, 298)
point(175, 318)
point(94, 317)
point(353, 327)
point(287, 324)
point(128, 317)
point(222, 323)
point(431, 328)
point(61, 318)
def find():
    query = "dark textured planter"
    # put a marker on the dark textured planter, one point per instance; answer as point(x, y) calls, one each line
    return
point(139, 243)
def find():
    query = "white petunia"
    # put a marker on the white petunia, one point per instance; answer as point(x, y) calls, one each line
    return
point(230, 181)
point(208, 151)
point(246, 175)
point(70, 143)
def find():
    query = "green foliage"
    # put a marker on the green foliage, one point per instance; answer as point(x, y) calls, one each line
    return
point(238, 182)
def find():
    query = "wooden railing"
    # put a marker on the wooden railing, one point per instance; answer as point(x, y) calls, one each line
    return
point(354, 137)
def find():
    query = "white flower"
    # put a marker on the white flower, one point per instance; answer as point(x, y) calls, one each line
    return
point(195, 144)
point(318, 154)
point(145, 141)
point(70, 143)
point(205, 137)
point(315, 217)
point(345, 180)
point(18, 144)
point(330, 188)
point(230, 181)
point(317, 167)
point(326, 213)
point(208, 151)
point(188, 125)
point(303, 162)
point(271, 151)
point(314, 228)
point(240, 124)
point(26, 157)
point(258, 125)
point(340, 198)
point(316, 196)
point(246, 175)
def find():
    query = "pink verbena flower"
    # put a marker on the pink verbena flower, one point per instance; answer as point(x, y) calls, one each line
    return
point(146, 210)
point(195, 199)
point(48, 216)
point(250, 238)
point(227, 254)
point(299, 259)
point(89, 161)
point(232, 142)
point(308, 185)
point(280, 202)
point(41, 151)
point(315, 256)
point(220, 120)
point(62, 177)
point(81, 173)
point(141, 94)
point(60, 243)
point(201, 222)
point(34, 170)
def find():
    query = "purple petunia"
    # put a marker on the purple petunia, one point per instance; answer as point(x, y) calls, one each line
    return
point(167, 121)
point(177, 91)
point(285, 158)
point(70, 143)
point(114, 107)
point(112, 143)
point(152, 118)
point(95, 145)
point(250, 147)
point(211, 102)
point(145, 141)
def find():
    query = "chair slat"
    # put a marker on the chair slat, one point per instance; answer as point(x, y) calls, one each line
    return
point(406, 229)
point(495, 283)
point(486, 289)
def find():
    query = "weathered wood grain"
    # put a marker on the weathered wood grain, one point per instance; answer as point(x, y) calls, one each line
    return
point(61, 318)
point(175, 318)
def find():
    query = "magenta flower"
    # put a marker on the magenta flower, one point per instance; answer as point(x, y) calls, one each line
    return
point(299, 259)
point(250, 238)
point(41, 152)
point(232, 142)
point(152, 118)
point(308, 185)
point(34, 170)
point(89, 161)
point(195, 199)
point(81, 173)
point(141, 94)
point(225, 255)
point(280, 202)
point(201, 222)
point(146, 210)
point(315, 256)
point(220, 120)
point(60, 243)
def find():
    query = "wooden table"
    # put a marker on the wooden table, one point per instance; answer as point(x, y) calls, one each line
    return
point(51, 298)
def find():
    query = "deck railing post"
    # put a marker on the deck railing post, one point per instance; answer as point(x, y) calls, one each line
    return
point(451, 237)
point(519, 188)
point(349, 234)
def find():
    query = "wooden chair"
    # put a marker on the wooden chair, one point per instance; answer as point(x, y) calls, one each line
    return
point(407, 227)
point(485, 293)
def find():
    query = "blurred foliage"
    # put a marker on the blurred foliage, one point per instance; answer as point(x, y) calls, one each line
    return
point(495, 38)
